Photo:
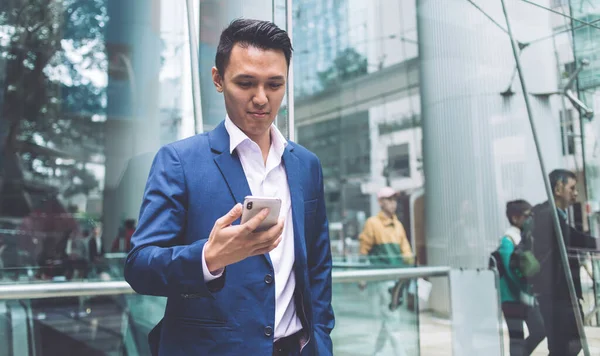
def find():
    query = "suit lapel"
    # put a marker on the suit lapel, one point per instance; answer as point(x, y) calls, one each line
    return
point(231, 168)
point(229, 164)
point(233, 173)
point(293, 171)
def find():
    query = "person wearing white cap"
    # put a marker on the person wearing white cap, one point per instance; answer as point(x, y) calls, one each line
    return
point(385, 243)
point(383, 238)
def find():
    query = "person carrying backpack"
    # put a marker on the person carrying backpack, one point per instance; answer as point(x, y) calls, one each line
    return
point(518, 304)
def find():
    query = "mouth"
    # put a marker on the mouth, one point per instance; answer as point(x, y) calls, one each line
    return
point(259, 114)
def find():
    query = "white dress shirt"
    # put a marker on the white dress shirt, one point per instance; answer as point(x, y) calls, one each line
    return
point(270, 180)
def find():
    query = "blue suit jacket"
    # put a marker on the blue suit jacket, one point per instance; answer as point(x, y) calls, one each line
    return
point(191, 184)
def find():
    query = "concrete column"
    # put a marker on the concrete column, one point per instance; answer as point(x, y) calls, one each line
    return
point(478, 147)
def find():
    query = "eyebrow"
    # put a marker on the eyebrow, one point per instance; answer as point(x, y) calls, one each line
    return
point(248, 76)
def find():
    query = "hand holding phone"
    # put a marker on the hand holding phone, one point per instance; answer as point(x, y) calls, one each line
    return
point(254, 205)
point(230, 243)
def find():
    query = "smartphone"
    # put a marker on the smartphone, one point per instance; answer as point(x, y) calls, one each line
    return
point(254, 205)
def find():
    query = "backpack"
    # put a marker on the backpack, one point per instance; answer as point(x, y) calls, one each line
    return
point(522, 263)
point(495, 263)
point(522, 260)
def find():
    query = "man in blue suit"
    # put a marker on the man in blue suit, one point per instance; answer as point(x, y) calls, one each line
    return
point(233, 291)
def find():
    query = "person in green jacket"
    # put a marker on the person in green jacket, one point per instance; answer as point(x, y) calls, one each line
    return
point(518, 305)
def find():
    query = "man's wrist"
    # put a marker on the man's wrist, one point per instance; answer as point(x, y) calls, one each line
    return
point(212, 262)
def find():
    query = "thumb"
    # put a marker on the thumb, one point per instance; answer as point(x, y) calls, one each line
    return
point(231, 216)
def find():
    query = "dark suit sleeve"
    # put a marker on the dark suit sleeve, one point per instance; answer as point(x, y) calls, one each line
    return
point(581, 240)
point(543, 237)
point(158, 264)
point(319, 269)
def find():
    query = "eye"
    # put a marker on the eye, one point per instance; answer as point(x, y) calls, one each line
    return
point(245, 84)
point(276, 85)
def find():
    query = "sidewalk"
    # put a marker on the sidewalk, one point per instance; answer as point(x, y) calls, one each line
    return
point(436, 338)
point(358, 324)
point(355, 335)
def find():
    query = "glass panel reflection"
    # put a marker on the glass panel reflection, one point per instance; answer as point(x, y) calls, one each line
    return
point(376, 318)
point(88, 91)
point(440, 118)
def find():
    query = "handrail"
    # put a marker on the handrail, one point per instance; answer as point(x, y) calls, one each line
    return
point(357, 265)
point(63, 289)
point(115, 255)
point(83, 289)
point(388, 274)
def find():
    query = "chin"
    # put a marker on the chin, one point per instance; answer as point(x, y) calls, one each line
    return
point(257, 128)
point(259, 123)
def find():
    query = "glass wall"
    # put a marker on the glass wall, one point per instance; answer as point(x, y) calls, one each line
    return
point(586, 48)
point(88, 92)
point(422, 96)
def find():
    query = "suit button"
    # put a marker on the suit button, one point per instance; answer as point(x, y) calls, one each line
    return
point(268, 279)
point(268, 331)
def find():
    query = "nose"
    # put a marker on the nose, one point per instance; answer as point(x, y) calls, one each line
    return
point(260, 97)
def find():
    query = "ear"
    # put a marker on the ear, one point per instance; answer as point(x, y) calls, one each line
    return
point(217, 79)
point(558, 188)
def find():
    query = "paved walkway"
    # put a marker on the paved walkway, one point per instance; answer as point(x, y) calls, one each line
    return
point(359, 321)
point(436, 338)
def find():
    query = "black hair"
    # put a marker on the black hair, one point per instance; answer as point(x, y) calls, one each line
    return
point(516, 208)
point(560, 175)
point(256, 33)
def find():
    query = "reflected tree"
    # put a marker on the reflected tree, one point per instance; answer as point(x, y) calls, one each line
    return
point(347, 65)
point(51, 103)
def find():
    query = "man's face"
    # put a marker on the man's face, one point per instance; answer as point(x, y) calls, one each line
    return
point(253, 87)
point(566, 193)
point(388, 205)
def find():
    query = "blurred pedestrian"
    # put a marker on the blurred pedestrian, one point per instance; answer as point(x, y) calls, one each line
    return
point(550, 283)
point(73, 254)
point(385, 244)
point(518, 305)
point(384, 239)
point(122, 242)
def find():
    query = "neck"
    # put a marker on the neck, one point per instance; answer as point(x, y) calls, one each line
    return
point(388, 214)
point(560, 204)
point(264, 143)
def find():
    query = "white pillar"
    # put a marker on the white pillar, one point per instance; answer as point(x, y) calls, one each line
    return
point(478, 147)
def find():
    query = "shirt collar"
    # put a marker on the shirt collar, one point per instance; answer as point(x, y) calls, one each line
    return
point(386, 220)
point(237, 137)
point(563, 213)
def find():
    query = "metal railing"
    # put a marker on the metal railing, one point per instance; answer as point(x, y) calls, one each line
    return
point(590, 281)
point(83, 289)
point(63, 289)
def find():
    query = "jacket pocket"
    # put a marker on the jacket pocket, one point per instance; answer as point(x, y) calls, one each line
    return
point(201, 322)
